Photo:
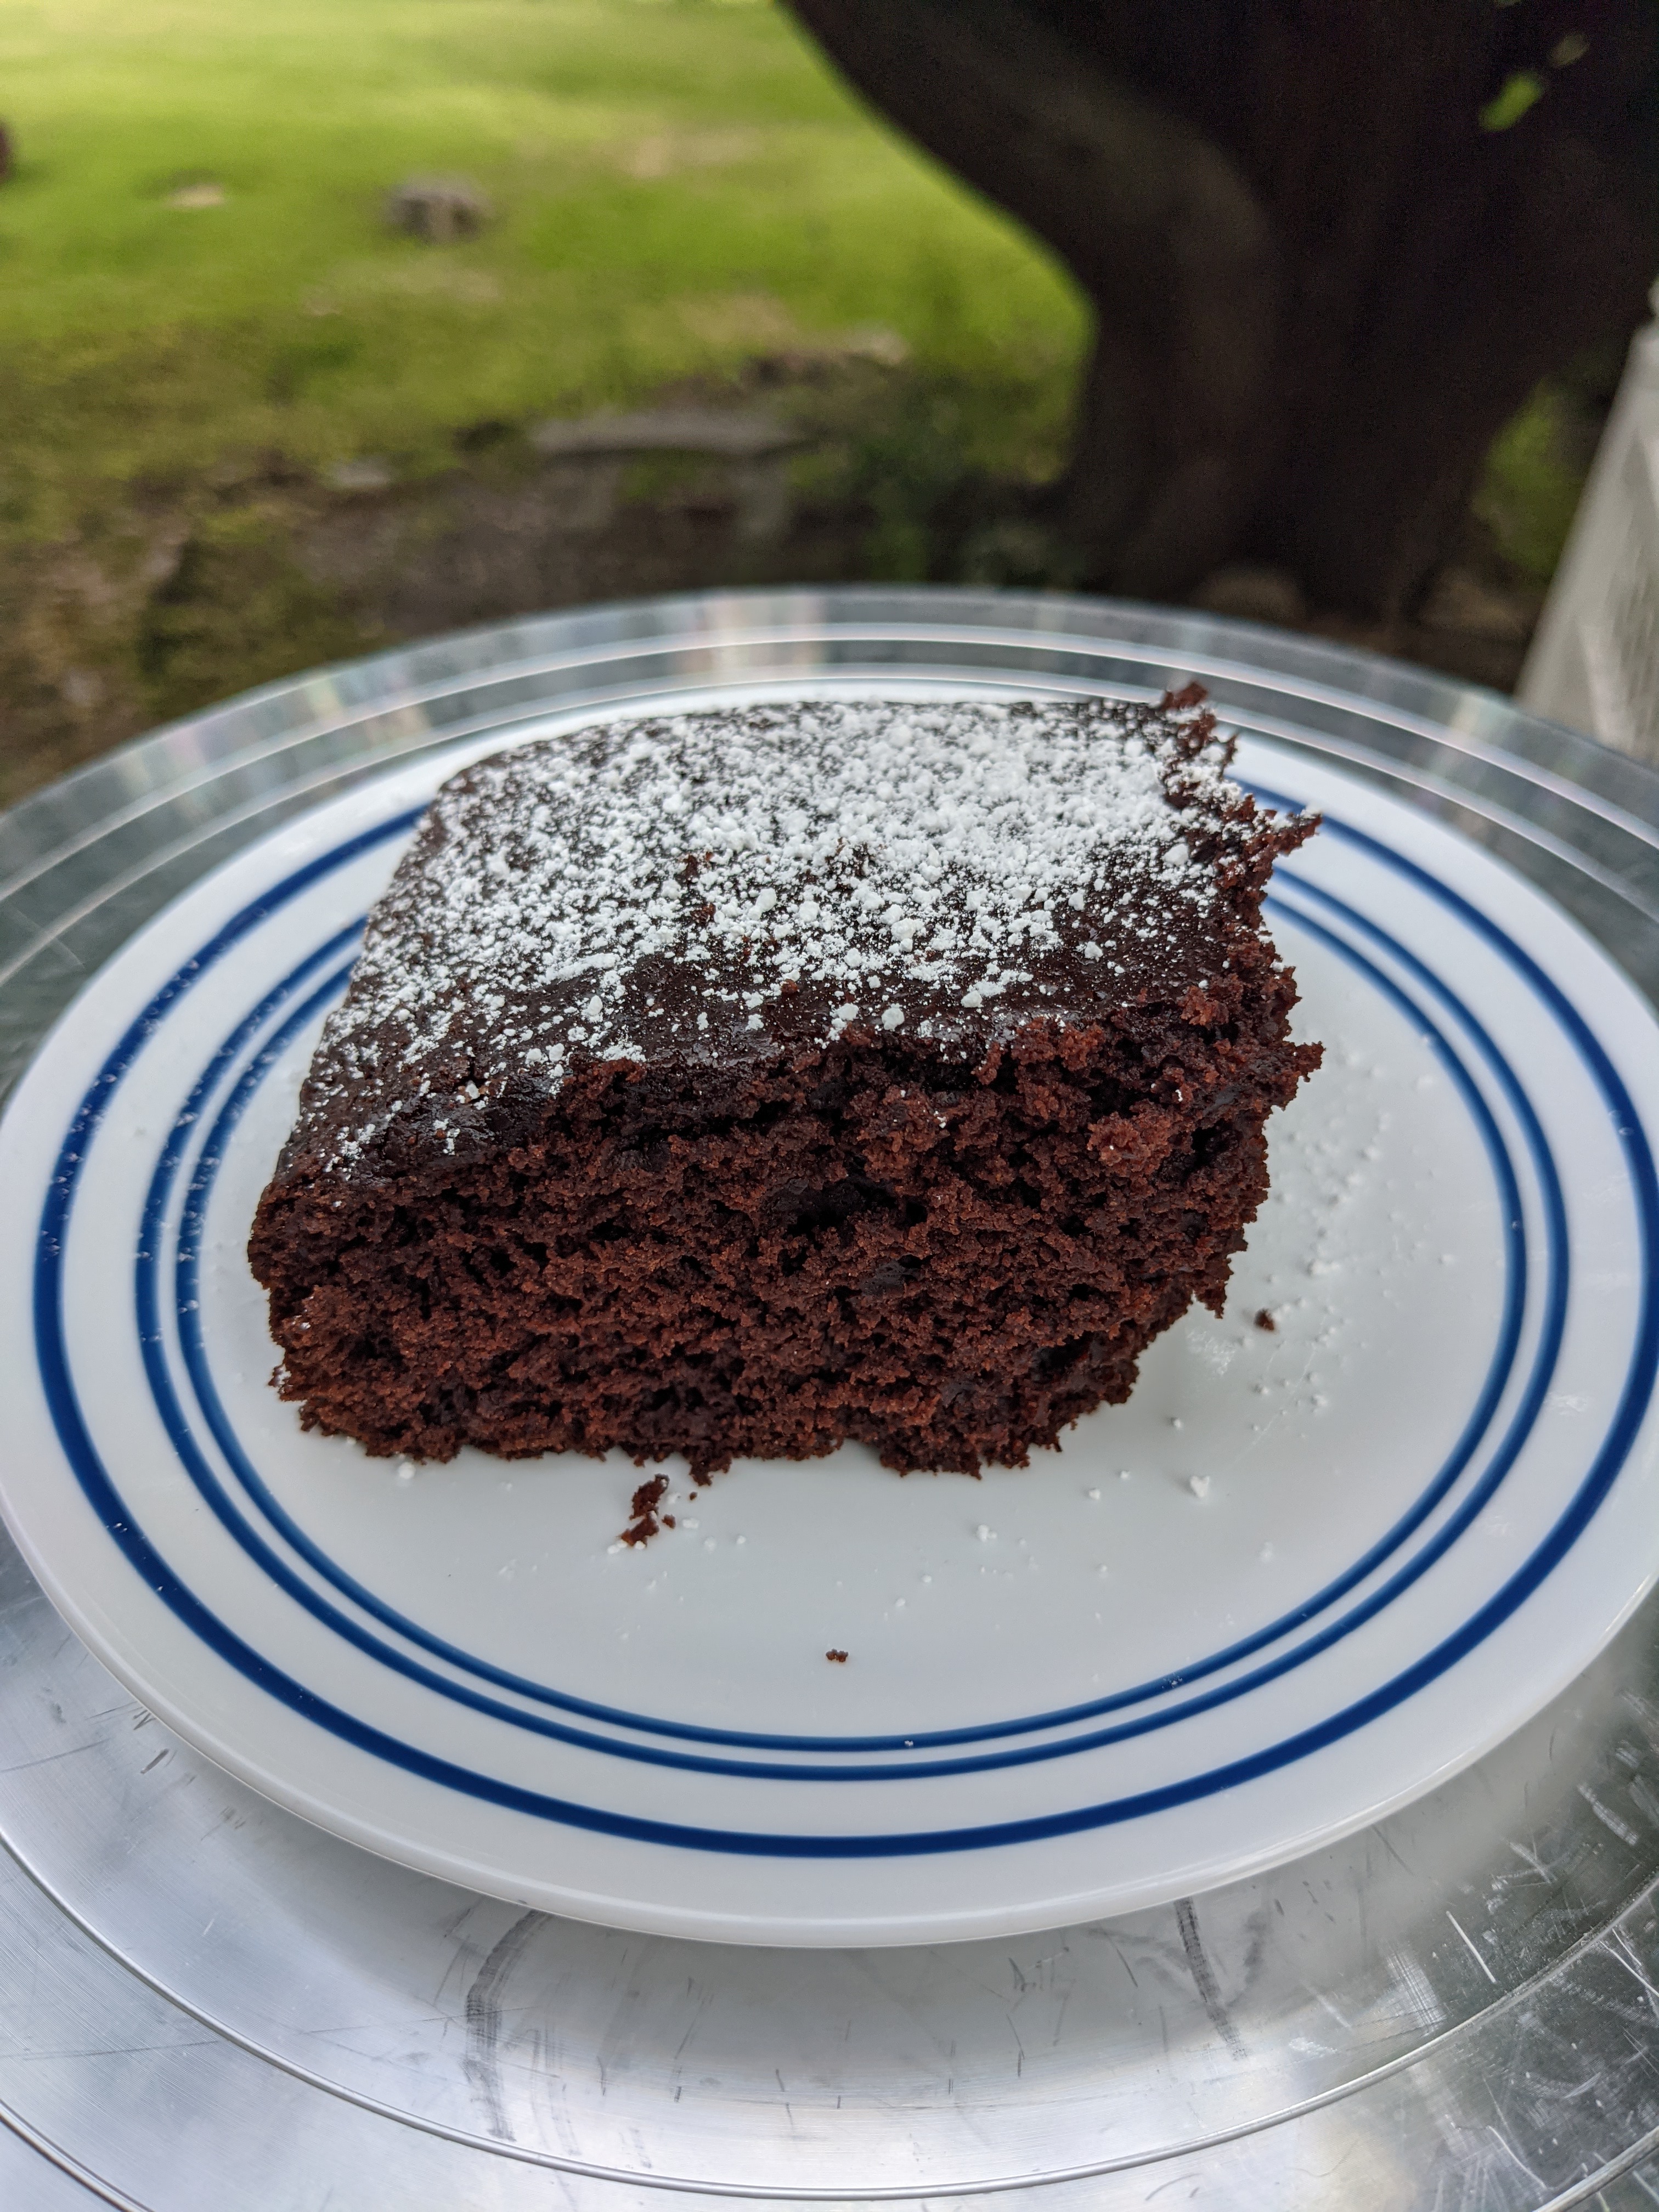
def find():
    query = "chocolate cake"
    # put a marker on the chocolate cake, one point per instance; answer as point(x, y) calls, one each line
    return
point(745, 1081)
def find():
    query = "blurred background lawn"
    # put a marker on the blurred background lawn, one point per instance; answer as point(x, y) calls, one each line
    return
point(674, 185)
point(245, 426)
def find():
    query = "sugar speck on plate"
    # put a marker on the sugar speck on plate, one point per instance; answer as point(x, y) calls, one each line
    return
point(983, 1533)
point(1199, 1485)
point(1094, 1494)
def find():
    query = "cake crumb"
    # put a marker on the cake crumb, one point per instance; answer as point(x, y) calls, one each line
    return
point(836, 1658)
point(643, 1506)
point(1265, 1320)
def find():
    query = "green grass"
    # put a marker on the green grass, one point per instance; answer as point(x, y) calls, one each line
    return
point(677, 183)
point(1529, 489)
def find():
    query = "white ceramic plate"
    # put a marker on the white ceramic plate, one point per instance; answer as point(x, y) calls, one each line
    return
point(1303, 1576)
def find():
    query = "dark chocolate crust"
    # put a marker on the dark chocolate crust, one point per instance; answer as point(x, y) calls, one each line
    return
point(944, 1219)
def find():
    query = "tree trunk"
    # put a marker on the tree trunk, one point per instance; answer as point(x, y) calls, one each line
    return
point(1320, 284)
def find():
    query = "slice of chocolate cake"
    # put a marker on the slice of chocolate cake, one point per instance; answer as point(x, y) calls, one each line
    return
point(752, 1079)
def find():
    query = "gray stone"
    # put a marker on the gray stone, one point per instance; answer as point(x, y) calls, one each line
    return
point(745, 435)
point(439, 209)
point(367, 474)
point(593, 452)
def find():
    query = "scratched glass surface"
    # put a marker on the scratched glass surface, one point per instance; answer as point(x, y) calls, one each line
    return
point(1457, 2007)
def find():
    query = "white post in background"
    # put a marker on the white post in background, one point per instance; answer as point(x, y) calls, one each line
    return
point(1595, 659)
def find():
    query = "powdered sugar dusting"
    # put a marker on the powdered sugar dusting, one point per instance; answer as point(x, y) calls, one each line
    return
point(917, 870)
